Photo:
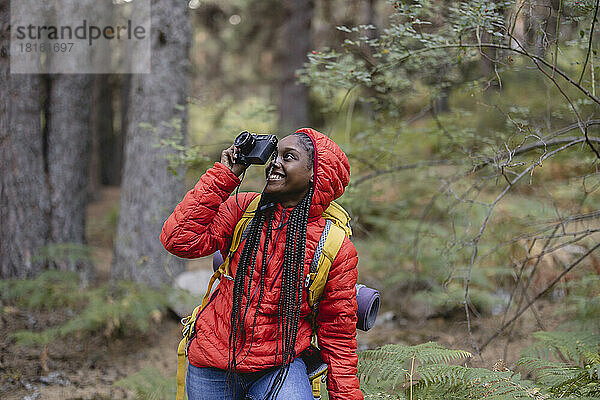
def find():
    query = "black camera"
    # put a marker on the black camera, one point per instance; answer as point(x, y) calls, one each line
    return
point(254, 149)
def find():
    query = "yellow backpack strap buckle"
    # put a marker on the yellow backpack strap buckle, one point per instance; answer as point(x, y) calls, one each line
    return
point(316, 388)
point(188, 331)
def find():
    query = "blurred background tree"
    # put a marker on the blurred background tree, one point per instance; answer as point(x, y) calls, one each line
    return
point(471, 127)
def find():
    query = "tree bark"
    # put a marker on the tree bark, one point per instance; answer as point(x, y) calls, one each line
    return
point(112, 140)
point(293, 102)
point(149, 192)
point(69, 135)
point(24, 198)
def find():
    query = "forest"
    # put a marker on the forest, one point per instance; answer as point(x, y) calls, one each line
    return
point(472, 131)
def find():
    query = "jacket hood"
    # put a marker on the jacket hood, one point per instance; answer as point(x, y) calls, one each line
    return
point(331, 171)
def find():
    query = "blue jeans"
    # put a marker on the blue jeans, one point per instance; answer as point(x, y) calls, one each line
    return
point(211, 384)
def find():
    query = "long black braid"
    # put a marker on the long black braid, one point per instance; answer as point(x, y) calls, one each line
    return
point(290, 299)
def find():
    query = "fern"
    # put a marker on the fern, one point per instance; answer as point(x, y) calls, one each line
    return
point(474, 383)
point(425, 372)
point(578, 372)
point(49, 290)
point(577, 347)
point(110, 309)
point(389, 365)
point(422, 372)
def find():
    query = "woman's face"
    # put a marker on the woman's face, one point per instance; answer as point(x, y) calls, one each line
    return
point(291, 172)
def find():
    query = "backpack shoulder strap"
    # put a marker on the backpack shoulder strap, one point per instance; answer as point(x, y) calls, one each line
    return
point(189, 322)
point(337, 227)
point(236, 238)
point(329, 245)
point(340, 217)
point(240, 227)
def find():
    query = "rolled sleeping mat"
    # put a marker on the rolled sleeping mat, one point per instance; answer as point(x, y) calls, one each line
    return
point(368, 306)
point(217, 260)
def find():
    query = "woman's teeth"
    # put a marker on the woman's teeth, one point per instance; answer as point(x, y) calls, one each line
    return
point(275, 177)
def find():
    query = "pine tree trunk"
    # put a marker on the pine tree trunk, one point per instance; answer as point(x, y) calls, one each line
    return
point(293, 103)
point(24, 199)
point(113, 108)
point(101, 125)
point(149, 192)
point(69, 135)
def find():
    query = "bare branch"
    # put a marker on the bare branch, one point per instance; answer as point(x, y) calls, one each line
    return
point(376, 173)
point(557, 70)
point(540, 294)
point(589, 49)
point(475, 242)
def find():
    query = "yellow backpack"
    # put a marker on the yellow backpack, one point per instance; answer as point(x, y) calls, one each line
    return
point(337, 227)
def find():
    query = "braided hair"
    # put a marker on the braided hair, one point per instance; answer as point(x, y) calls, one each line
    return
point(290, 299)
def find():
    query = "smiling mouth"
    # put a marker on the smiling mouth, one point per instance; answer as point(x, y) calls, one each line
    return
point(275, 176)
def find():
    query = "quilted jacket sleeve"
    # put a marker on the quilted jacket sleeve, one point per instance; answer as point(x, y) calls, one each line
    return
point(204, 220)
point(336, 325)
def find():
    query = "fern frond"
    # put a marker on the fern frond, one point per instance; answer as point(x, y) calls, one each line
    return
point(391, 364)
point(578, 375)
point(548, 372)
point(575, 347)
point(476, 383)
point(113, 308)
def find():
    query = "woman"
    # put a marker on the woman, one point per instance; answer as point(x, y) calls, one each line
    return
point(250, 335)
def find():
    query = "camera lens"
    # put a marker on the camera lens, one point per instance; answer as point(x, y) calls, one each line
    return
point(244, 141)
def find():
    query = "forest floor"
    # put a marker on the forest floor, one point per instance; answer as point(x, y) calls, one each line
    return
point(77, 368)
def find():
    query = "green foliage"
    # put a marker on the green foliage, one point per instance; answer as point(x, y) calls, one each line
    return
point(120, 308)
point(49, 290)
point(424, 372)
point(65, 252)
point(583, 302)
point(429, 371)
point(452, 119)
point(577, 374)
point(149, 384)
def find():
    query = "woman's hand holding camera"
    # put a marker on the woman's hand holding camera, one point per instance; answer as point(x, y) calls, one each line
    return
point(228, 158)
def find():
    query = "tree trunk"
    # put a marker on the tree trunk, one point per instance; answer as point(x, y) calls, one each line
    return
point(24, 199)
point(111, 140)
point(157, 110)
point(69, 135)
point(293, 103)
point(101, 125)
point(109, 146)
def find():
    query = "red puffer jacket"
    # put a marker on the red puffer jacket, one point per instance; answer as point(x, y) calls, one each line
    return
point(204, 222)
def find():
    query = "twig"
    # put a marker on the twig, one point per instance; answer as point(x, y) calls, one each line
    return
point(589, 50)
point(581, 123)
point(500, 47)
point(523, 264)
point(537, 297)
point(376, 173)
point(544, 142)
point(482, 228)
point(557, 33)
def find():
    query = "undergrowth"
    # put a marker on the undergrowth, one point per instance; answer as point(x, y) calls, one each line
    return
point(149, 384)
point(559, 365)
point(111, 309)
